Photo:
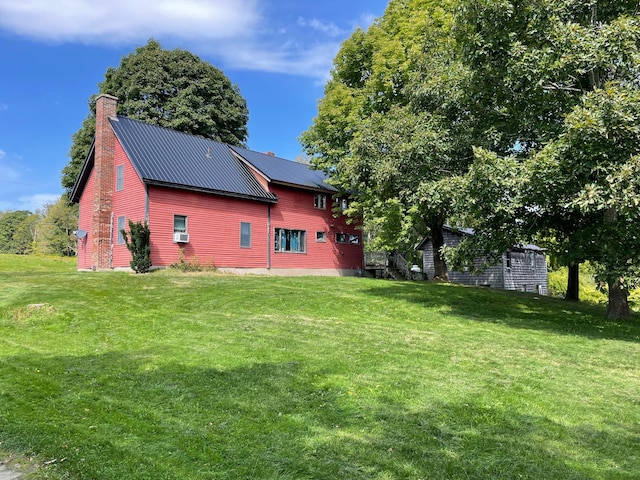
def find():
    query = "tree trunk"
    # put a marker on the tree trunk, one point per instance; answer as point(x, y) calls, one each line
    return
point(573, 282)
point(439, 265)
point(618, 306)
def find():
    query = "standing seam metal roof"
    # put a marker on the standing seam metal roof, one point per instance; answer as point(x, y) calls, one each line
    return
point(168, 157)
point(285, 171)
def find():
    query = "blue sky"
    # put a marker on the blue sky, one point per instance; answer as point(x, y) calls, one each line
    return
point(53, 53)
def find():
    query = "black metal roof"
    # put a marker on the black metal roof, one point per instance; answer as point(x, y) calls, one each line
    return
point(284, 171)
point(167, 157)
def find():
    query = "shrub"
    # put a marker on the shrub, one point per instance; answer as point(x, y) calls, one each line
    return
point(191, 265)
point(139, 245)
point(588, 291)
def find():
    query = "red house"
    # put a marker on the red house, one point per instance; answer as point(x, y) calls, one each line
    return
point(239, 210)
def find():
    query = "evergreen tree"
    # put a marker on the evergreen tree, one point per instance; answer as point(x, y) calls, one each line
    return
point(138, 243)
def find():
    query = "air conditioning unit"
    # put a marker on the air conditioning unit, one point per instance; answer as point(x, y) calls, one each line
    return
point(180, 237)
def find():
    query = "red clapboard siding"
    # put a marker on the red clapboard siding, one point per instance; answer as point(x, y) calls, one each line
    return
point(129, 203)
point(213, 224)
point(295, 210)
point(85, 222)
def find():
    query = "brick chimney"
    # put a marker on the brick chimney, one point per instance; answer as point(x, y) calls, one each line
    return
point(103, 171)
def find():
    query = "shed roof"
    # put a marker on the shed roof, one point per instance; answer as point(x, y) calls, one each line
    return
point(469, 231)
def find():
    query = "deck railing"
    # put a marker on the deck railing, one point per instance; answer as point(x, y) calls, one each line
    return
point(400, 264)
point(373, 260)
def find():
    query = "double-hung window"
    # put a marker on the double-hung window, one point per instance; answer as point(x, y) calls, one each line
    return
point(290, 240)
point(320, 201)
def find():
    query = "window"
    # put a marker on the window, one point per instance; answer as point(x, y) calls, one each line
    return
point(320, 201)
point(342, 203)
point(245, 235)
point(290, 240)
point(321, 236)
point(341, 238)
point(119, 178)
point(179, 223)
point(354, 239)
point(120, 228)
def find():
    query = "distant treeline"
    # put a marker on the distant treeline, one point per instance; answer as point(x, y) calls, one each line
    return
point(48, 231)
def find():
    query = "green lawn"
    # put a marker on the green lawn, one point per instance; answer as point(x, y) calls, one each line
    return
point(209, 376)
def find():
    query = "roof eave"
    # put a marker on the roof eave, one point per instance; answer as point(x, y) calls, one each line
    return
point(306, 187)
point(83, 176)
point(222, 193)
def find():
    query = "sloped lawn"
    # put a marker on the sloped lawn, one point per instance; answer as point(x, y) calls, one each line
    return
point(206, 376)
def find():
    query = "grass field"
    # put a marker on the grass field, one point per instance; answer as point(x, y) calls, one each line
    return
point(209, 376)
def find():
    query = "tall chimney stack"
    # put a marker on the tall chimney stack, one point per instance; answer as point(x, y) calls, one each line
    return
point(104, 173)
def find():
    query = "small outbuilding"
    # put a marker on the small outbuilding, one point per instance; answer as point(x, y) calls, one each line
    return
point(523, 267)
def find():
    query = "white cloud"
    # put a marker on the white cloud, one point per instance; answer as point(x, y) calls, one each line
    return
point(38, 200)
point(122, 21)
point(237, 33)
point(329, 28)
point(288, 58)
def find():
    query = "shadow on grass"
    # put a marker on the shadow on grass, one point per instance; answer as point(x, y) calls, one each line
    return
point(516, 309)
point(130, 416)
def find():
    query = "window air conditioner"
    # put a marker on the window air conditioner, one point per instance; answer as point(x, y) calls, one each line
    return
point(180, 237)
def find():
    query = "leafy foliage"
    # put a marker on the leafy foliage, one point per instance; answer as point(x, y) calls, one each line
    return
point(138, 241)
point(170, 88)
point(25, 237)
point(59, 221)
point(192, 264)
point(556, 85)
point(390, 128)
point(9, 224)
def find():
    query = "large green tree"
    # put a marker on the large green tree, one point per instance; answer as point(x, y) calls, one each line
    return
point(9, 224)
point(546, 79)
point(55, 235)
point(392, 125)
point(25, 237)
point(170, 88)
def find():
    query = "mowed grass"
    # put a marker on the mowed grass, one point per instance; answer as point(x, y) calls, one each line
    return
point(209, 376)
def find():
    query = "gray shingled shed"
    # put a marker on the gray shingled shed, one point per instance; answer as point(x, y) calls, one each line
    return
point(521, 268)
